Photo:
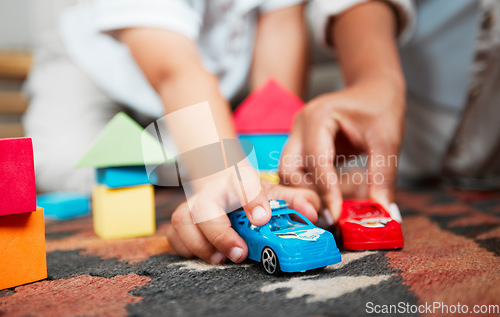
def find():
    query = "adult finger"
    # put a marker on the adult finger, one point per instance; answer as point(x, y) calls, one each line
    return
point(382, 173)
point(305, 201)
point(291, 167)
point(320, 152)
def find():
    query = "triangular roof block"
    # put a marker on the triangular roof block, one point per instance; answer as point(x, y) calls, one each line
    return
point(121, 143)
point(269, 109)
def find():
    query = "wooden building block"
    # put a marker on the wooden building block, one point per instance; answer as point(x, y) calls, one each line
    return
point(272, 177)
point(125, 176)
point(122, 142)
point(64, 205)
point(269, 109)
point(17, 176)
point(268, 148)
point(123, 212)
point(22, 249)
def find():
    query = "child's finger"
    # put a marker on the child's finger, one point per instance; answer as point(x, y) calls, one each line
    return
point(222, 236)
point(176, 244)
point(192, 237)
point(252, 196)
point(258, 210)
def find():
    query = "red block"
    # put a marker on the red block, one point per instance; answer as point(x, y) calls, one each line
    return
point(269, 109)
point(17, 176)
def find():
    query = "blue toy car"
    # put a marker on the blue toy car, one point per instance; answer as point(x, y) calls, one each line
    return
point(289, 242)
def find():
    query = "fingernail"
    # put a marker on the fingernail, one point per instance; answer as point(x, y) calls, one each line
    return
point(310, 208)
point(328, 217)
point(258, 213)
point(395, 213)
point(217, 258)
point(235, 254)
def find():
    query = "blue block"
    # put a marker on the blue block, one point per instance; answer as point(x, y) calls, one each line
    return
point(124, 176)
point(267, 148)
point(64, 205)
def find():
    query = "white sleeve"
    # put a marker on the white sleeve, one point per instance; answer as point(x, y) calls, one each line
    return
point(271, 5)
point(323, 10)
point(175, 15)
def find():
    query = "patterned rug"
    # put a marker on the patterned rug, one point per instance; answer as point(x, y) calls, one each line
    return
point(451, 256)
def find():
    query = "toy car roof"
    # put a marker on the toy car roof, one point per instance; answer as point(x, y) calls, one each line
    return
point(285, 211)
point(240, 214)
point(276, 204)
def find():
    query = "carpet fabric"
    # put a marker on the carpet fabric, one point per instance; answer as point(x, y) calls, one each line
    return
point(451, 256)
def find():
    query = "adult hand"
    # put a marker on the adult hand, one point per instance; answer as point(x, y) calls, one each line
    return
point(364, 118)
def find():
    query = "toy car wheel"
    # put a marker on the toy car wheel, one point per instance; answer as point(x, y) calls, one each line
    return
point(270, 261)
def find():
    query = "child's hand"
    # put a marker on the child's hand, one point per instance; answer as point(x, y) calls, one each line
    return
point(364, 118)
point(214, 240)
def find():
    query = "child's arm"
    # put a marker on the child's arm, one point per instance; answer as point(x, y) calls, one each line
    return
point(365, 117)
point(281, 49)
point(170, 62)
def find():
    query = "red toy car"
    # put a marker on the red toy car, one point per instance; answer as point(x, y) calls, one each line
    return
point(366, 225)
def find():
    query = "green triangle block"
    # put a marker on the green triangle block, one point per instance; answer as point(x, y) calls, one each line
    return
point(123, 142)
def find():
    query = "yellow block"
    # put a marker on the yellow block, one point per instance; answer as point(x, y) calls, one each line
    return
point(123, 212)
point(270, 176)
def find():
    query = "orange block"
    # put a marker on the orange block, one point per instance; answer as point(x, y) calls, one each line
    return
point(22, 249)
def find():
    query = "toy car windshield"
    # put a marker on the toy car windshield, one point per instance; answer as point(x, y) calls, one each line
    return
point(283, 222)
point(364, 211)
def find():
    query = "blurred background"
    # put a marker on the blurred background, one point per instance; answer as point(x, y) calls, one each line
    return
point(24, 23)
point(450, 63)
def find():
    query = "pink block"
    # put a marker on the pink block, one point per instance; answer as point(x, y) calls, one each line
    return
point(17, 176)
point(269, 109)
